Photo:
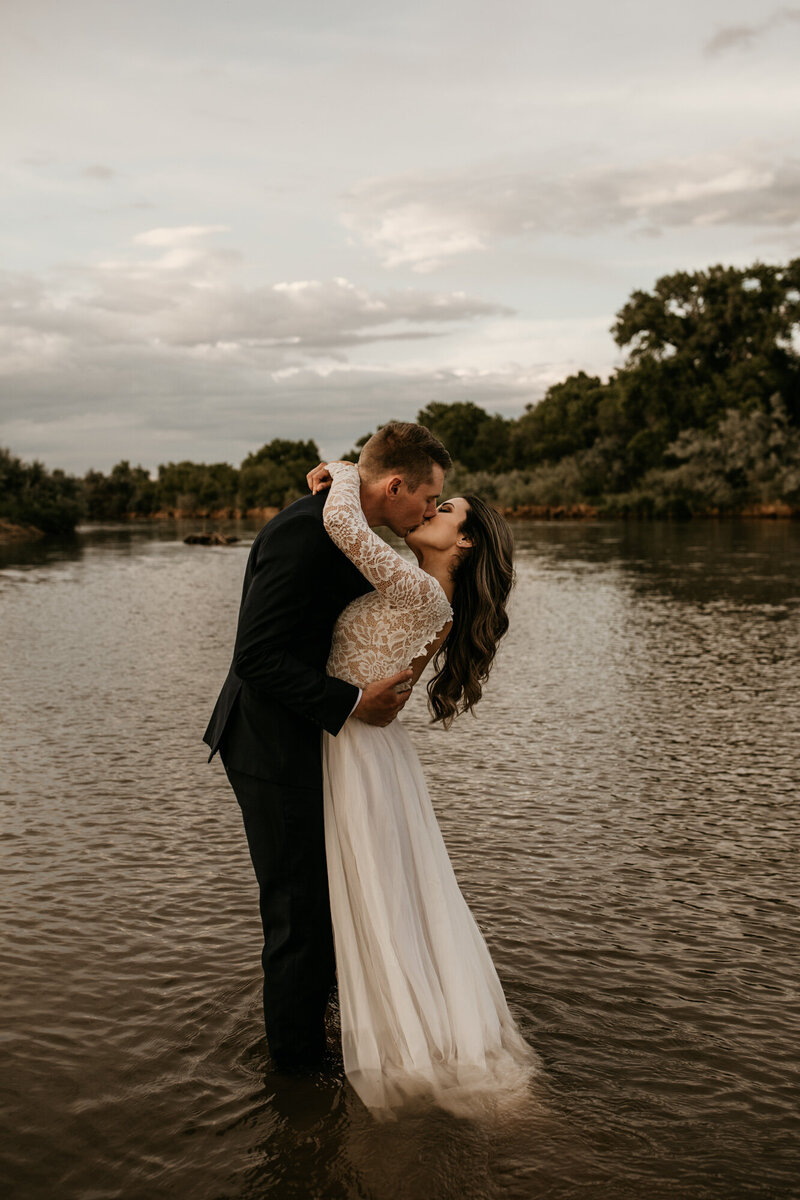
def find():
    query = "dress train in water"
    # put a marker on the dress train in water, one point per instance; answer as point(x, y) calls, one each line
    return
point(422, 1010)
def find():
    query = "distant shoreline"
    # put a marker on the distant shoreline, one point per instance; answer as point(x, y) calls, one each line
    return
point(523, 512)
point(12, 534)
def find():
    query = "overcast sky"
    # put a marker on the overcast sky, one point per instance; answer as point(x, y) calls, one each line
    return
point(227, 222)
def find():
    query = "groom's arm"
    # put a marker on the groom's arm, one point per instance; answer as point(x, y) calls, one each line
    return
point(274, 619)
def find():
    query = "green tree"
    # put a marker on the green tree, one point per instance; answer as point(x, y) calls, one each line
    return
point(705, 341)
point(564, 421)
point(276, 474)
point(753, 456)
point(219, 486)
point(285, 453)
point(178, 484)
point(124, 490)
point(191, 486)
point(472, 436)
point(31, 495)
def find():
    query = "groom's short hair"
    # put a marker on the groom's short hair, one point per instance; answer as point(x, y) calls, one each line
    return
point(405, 449)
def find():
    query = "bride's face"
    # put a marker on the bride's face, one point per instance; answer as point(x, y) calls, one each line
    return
point(441, 531)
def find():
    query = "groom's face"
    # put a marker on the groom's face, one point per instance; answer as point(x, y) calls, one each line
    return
point(407, 508)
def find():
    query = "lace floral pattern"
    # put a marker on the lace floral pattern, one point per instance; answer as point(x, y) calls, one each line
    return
point(380, 633)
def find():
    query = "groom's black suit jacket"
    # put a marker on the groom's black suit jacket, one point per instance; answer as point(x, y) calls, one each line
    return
point(277, 697)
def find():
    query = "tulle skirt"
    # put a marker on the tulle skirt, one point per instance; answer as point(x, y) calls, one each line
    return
point(423, 1013)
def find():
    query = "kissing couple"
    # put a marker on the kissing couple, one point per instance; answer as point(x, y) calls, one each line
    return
point(356, 886)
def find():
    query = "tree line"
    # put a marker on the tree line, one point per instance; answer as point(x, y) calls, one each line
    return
point(703, 415)
point(54, 502)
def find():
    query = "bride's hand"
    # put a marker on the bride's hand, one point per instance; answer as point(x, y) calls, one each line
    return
point(319, 479)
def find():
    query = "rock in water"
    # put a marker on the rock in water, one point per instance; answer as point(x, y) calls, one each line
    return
point(210, 539)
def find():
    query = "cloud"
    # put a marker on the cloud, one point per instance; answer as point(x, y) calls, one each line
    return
point(177, 235)
point(423, 219)
point(208, 415)
point(187, 299)
point(743, 37)
point(167, 338)
point(416, 233)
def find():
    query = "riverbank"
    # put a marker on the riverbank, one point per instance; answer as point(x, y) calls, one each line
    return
point(584, 512)
point(204, 514)
point(521, 512)
point(11, 533)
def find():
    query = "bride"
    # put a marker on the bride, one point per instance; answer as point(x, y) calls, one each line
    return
point(423, 1013)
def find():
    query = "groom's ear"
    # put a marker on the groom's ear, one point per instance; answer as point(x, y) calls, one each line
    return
point(393, 485)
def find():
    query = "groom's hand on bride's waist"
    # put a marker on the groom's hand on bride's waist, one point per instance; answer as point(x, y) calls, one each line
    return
point(381, 702)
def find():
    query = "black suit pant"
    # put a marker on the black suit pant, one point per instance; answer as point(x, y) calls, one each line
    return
point(286, 835)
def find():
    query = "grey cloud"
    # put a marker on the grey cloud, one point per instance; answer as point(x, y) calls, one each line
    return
point(145, 413)
point(743, 37)
point(168, 340)
point(183, 298)
point(81, 404)
point(422, 219)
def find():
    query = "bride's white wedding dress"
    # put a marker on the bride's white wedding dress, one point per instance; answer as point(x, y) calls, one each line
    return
point(422, 1011)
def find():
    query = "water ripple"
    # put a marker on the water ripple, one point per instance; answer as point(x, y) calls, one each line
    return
point(621, 815)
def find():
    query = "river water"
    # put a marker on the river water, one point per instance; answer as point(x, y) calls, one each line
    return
point(622, 817)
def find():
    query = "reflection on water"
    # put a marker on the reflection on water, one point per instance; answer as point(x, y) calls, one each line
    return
point(621, 816)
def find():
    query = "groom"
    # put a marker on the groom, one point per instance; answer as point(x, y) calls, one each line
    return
point(274, 704)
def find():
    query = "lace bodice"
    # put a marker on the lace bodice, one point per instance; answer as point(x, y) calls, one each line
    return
point(382, 632)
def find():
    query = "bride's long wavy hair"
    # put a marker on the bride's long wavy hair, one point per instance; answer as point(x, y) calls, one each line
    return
point(483, 576)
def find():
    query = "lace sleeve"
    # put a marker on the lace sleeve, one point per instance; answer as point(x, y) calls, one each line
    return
point(402, 582)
